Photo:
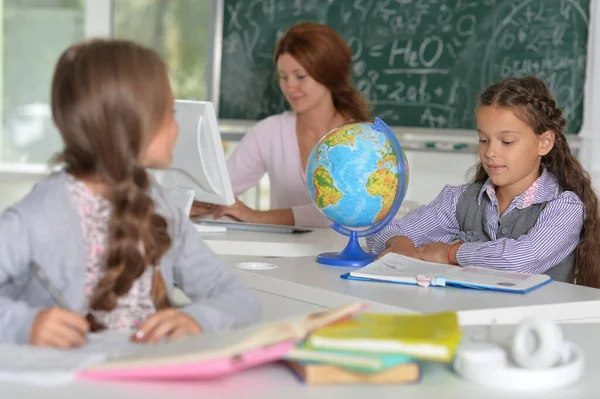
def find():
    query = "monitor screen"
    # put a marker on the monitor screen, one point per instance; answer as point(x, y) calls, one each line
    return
point(199, 165)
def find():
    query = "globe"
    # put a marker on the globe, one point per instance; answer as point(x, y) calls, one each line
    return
point(357, 176)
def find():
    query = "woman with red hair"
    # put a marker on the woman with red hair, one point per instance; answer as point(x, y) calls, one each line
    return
point(314, 72)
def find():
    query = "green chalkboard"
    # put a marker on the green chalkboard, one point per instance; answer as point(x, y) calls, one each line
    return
point(421, 63)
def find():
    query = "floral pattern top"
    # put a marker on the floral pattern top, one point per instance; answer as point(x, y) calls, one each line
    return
point(95, 213)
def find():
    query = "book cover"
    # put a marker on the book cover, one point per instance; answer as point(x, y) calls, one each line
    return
point(396, 268)
point(321, 374)
point(424, 336)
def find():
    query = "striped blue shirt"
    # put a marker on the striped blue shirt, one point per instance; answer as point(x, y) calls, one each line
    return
point(553, 237)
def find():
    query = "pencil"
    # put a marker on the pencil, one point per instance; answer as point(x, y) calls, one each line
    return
point(49, 285)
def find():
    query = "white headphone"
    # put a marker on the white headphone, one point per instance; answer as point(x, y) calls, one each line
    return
point(540, 359)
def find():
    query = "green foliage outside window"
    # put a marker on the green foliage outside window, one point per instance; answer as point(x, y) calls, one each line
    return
point(178, 30)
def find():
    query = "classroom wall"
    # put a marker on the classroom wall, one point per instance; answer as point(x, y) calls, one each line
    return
point(430, 171)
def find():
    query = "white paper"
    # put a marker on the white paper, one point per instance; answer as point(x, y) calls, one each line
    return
point(400, 268)
point(44, 366)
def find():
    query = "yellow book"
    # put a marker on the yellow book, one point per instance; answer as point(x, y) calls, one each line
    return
point(429, 336)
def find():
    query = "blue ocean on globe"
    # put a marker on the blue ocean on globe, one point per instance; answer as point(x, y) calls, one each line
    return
point(352, 175)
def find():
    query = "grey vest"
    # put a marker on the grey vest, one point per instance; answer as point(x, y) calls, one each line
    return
point(472, 220)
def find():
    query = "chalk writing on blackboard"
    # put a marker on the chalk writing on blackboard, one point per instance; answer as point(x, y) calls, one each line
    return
point(421, 63)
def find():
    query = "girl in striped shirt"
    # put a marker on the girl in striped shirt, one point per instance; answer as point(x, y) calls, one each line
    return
point(530, 208)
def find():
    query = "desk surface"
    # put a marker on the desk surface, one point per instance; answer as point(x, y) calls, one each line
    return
point(274, 381)
point(303, 279)
point(235, 242)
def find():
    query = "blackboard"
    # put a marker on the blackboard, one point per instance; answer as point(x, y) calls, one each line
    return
point(421, 63)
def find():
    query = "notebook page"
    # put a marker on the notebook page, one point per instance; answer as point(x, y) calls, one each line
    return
point(42, 366)
point(204, 347)
point(317, 320)
point(400, 268)
point(497, 279)
point(201, 347)
point(396, 267)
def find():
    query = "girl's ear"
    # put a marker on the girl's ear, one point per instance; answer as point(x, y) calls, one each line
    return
point(546, 142)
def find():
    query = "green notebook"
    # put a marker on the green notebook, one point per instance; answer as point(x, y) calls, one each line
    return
point(355, 361)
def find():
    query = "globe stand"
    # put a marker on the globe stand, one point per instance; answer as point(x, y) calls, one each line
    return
point(352, 256)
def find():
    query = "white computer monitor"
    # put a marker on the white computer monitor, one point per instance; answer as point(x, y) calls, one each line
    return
point(199, 166)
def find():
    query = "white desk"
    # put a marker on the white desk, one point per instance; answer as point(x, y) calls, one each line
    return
point(235, 242)
point(274, 381)
point(307, 285)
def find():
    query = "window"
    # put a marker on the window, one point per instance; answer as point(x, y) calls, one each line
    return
point(178, 31)
point(35, 32)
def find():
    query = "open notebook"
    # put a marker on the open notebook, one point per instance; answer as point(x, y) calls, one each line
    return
point(395, 268)
point(213, 355)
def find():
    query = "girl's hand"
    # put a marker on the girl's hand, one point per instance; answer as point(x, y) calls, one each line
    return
point(401, 245)
point(435, 252)
point(238, 211)
point(167, 323)
point(58, 328)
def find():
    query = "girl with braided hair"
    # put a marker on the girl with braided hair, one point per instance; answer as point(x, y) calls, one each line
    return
point(530, 208)
point(102, 232)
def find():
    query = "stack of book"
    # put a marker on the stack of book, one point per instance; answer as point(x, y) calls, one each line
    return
point(375, 348)
point(342, 346)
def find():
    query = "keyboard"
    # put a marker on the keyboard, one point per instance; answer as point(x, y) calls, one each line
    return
point(243, 226)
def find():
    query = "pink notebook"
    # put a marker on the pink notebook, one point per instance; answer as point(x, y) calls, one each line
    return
point(190, 359)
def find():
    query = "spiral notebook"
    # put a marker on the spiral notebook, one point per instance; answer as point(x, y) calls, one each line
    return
point(395, 268)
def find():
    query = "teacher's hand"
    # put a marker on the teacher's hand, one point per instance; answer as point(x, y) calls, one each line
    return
point(238, 211)
point(203, 208)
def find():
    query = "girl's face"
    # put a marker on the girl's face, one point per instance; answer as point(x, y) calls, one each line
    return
point(159, 153)
point(302, 92)
point(509, 149)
